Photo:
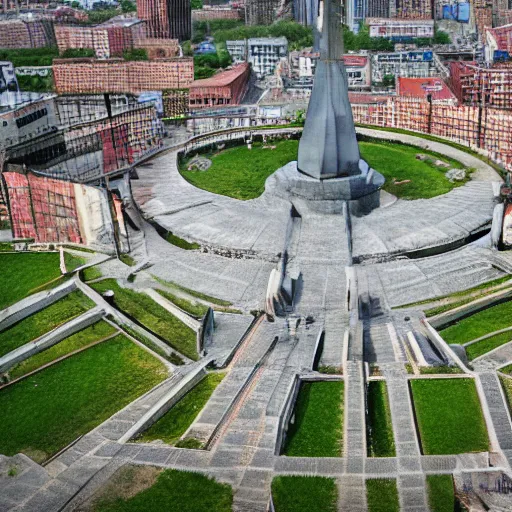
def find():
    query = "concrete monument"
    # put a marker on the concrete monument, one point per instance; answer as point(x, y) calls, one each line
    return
point(329, 171)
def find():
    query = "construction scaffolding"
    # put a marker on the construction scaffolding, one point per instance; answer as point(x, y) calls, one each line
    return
point(480, 128)
point(486, 87)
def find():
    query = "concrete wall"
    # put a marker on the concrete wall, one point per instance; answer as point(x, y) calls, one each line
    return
point(33, 304)
point(186, 384)
point(52, 338)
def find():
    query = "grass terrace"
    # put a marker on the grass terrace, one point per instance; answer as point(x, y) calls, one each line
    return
point(449, 416)
point(152, 316)
point(484, 322)
point(194, 293)
point(28, 273)
point(48, 410)
point(381, 442)
point(193, 308)
point(170, 427)
point(32, 327)
point(457, 299)
point(304, 494)
point(382, 495)
point(318, 427)
point(90, 274)
point(441, 497)
point(73, 261)
point(482, 347)
point(93, 334)
point(241, 173)
point(141, 489)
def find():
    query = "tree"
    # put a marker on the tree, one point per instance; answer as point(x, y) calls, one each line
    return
point(196, 4)
point(389, 81)
point(128, 6)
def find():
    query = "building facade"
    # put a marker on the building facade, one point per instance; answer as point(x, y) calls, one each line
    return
point(25, 33)
point(305, 12)
point(414, 64)
point(107, 40)
point(87, 76)
point(264, 54)
point(262, 12)
point(478, 86)
point(169, 19)
point(237, 50)
point(226, 88)
point(400, 29)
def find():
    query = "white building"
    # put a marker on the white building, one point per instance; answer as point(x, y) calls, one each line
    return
point(399, 29)
point(264, 53)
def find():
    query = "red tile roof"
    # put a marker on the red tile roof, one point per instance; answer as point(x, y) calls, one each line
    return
point(422, 87)
point(223, 78)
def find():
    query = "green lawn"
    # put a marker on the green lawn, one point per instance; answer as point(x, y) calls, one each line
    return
point(91, 273)
point(241, 173)
point(152, 316)
point(441, 496)
point(449, 416)
point(44, 321)
point(382, 495)
point(194, 308)
point(194, 293)
point(318, 427)
point(304, 494)
point(73, 262)
point(479, 291)
point(46, 411)
point(170, 427)
point(181, 491)
point(506, 382)
point(23, 274)
point(398, 162)
point(482, 347)
point(95, 332)
point(482, 323)
point(381, 442)
point(181, 243)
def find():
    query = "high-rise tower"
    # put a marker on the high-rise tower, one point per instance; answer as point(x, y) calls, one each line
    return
point(169, 19)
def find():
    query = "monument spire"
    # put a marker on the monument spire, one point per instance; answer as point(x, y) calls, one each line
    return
point(328, 147)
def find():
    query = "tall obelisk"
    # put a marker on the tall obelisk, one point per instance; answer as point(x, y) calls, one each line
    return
point(328, 147)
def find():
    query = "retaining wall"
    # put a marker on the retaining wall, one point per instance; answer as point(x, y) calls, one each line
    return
point(52, 338)
point(33, 304)
point(186, 384)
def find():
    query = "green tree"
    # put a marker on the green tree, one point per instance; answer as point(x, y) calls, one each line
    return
point(76, 53)
point(128, 6)
point(196, 4)
point(135, 54)
point(389, 81)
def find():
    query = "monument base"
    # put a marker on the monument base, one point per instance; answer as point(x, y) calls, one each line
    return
point(361, 192)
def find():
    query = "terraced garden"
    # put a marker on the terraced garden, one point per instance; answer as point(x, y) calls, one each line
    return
point(441, 497)
point(152, 316)
point(382, 495)
point(381, 442)
point(93, 334)
point(32, 327)
point(477, 325)
point(28, 274)
point(449, 416)
point(140, 489)
point(318, 427)
point(46, 411)
point(170, 427)
point(304, 494)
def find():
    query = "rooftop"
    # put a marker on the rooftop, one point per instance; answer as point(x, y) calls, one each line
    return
point(222, 79)
point(422, 87)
